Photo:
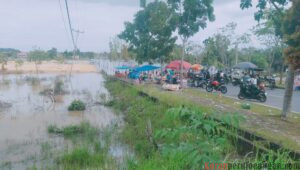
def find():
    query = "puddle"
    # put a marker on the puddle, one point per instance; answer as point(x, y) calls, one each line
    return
point(26, 112)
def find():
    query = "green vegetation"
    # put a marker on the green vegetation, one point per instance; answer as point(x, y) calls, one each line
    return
point(77, 105)
point(246, 106)
point(83, 129)
point(183, 137)
point(59, 86)
point(83, 157)
point(87, 152)
point(150, 35)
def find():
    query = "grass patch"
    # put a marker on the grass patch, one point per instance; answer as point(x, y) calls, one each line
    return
point(82, 157)
point(246, 106)
point(84, 128)
point(87, 152)
point(77, 105)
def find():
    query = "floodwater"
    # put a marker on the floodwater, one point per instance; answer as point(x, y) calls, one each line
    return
point(25, 113)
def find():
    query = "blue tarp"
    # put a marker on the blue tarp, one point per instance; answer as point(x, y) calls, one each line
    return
point(123, 68)
point(134, 75)
point(146, 68)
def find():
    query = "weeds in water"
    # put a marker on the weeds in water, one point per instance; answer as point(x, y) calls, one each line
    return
point(90, 153)
point(77, 105)
point(82, 157)
point(83, 128)
point(59, 87)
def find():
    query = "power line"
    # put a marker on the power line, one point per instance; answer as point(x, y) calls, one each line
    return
point(63, 18)
point(70, 26)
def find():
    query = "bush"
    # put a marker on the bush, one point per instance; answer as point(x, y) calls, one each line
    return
point(59, 87)
point(246, 106)
point(77, 105)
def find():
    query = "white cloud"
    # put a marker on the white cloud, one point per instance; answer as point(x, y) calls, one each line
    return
point(29, 23)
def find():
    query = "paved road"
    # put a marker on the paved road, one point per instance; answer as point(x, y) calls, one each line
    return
point(274, 97)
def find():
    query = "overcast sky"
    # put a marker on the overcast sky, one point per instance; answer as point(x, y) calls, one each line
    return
point(27, 24)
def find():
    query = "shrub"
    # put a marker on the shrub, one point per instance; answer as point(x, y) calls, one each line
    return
point(77, 105)
point(246, 106)
point(59, 87)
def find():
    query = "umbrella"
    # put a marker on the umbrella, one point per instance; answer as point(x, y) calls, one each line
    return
point(196, 67)
point(245, 65)
point(123, 67)
point(176, 65)
point(146, 68)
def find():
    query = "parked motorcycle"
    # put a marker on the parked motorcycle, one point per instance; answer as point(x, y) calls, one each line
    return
point(271, 82)
point(216, 85)
point(236, 81)
point(197, 80)
point(248, 91)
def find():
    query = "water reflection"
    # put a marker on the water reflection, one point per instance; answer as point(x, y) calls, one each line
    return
point(23, 125)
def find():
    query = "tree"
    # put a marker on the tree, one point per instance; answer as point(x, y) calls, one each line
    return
point(270, 38)
point(290, 29)
point(52, 53)
point(150, 34)
point(210, 52)
point(3, 61)
point(115, 48)
point(191, 16)
point(236, 40)
point(37, 56)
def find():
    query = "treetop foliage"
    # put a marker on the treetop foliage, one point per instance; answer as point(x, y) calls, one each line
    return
point(291, 28)
point(192, 15)
point(263, 5)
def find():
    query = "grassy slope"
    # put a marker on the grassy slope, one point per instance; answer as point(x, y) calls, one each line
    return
point(261, 120)
point(137, 110)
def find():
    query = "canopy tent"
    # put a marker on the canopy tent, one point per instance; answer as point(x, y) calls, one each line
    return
point(146, 68)
point(176, 65)
point(196, 67)
point(245, 66)
point(123, 67)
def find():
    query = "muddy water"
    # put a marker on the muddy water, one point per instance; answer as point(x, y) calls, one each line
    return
point(25, 113)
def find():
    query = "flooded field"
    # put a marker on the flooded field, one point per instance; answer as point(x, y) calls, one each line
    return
point(29, 103)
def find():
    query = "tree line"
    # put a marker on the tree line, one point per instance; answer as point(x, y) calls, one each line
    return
point(152, 36)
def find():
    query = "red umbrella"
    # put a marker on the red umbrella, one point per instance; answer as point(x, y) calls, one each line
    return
point(176, 65)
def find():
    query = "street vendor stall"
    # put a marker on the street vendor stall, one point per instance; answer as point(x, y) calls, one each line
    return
point(176, 65)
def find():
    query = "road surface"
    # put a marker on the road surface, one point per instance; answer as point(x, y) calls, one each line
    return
point(274, 97)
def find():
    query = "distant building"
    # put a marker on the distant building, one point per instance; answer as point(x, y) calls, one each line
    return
point(23, 55)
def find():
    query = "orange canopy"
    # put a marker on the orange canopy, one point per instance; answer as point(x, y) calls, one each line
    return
point(196, 67)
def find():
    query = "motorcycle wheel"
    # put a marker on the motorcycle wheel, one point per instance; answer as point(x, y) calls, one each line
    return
point(240, 96)
point(203, 85)
point(195, 84)
point(223, 89)
point(209, 88)
point(262, 97)
point(272, 86)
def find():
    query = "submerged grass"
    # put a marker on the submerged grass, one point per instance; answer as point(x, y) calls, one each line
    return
point(88, 151)
point(183, 137)
point(84, 128)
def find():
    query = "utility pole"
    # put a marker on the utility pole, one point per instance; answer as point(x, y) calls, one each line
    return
point(72, 34)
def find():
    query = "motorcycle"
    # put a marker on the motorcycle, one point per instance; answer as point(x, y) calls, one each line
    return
point(271, 82)
point(216, 85)
point(198, 80)
point(252, 92)
point(236, 81)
